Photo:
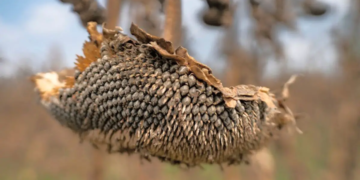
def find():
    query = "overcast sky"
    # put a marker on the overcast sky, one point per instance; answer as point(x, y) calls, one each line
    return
point(31, 28)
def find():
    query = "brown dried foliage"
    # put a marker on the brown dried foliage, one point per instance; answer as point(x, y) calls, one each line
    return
point(88, 10)
point(219, 13)
point(47, 84)
point(91, 48)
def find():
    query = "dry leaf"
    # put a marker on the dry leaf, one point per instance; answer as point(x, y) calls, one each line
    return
point(91, 49)
point(95, 36)
point(285, 92)
point(145, 37)
point(48, 84)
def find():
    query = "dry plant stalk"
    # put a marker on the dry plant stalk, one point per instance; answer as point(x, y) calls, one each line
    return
point(173, 28)
point(142, 96)
point(113, 12)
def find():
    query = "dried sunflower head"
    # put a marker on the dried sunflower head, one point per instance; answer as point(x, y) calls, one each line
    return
point(143, 96)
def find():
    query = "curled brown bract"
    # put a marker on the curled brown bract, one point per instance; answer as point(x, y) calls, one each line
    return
point(91, 49)
point(145, 37)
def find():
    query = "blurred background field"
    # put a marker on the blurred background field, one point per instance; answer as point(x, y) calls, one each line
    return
point(249, 43)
